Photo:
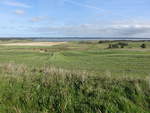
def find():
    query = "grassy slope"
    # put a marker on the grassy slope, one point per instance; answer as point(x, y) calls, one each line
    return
point(117, 80)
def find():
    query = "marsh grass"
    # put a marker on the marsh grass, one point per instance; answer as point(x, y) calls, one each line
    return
point(56, 90)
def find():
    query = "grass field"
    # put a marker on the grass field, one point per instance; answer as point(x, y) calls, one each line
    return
point(75, 77)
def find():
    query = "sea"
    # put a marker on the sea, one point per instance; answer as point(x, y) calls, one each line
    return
point(61, 39)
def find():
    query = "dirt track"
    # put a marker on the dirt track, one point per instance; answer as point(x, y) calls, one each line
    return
point(33, 44)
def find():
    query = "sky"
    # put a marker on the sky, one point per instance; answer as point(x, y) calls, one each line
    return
point(69, 18)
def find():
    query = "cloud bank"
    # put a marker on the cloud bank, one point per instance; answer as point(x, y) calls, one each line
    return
point(113, 30)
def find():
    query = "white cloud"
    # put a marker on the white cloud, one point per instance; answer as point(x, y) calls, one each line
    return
point(37, 19)
point(17, 4)
point(19, 12)
point(83, 5)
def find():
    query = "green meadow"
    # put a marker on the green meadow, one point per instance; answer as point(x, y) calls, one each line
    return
point(75, 77)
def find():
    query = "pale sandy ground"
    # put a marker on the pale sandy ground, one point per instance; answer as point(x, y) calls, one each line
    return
point(33, 44)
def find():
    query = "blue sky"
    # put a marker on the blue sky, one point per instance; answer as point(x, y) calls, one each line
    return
point(36, 18)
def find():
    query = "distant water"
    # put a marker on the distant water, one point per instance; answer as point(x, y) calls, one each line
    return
point(84, 39)
point(59, 39)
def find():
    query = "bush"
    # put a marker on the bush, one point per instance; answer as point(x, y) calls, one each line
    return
point(113, 46)
point(118, 45)
point(143, 46)
point(104, 41)
point(122, 45)
point(110, 46)
point(100, 42)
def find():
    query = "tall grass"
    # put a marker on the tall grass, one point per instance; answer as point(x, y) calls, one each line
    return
point(52, 90)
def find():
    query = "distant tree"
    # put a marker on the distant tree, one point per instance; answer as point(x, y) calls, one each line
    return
point(143, 46)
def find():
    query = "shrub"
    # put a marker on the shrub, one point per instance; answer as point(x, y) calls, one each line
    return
point(100, 42)
point(143, 46)
point(104, 41)
point(122, 45)
point(113, 46)
point(110, 46)
point(118, 45)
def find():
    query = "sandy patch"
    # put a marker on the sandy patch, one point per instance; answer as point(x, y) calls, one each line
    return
point(33, 44)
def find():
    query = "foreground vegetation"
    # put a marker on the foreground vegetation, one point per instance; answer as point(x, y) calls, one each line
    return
point(77, 77)
point(50, 90)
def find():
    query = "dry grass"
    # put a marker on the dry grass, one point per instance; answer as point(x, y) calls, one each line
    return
point(33, 44)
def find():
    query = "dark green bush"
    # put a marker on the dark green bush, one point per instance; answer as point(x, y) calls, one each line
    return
point(122, 44)
point(118, 45)
point(110, 46)
point(143, 46)
point(113, 46)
